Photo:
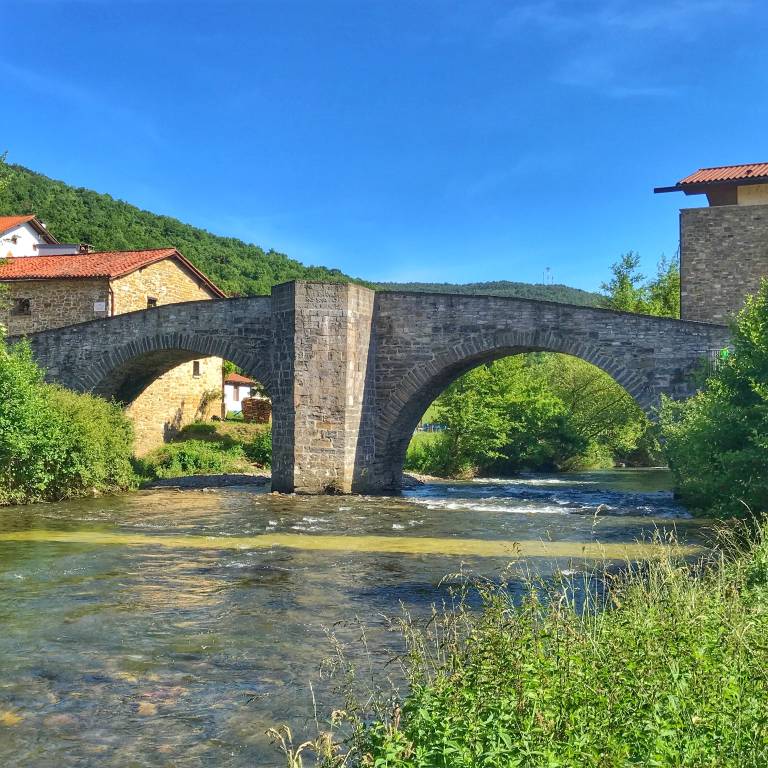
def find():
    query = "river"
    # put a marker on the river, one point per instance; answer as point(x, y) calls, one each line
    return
point(168, 628)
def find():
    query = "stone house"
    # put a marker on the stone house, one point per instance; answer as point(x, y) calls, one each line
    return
point(723, 246)
point(50, 284)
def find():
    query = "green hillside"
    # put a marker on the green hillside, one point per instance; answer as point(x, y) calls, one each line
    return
point(75, 214)
point(562, 293)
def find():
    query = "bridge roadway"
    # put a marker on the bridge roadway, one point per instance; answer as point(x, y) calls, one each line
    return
point(350, 371)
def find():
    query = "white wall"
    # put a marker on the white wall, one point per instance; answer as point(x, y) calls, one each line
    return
point(233, 395)
point(26, 238)
point(753, 194)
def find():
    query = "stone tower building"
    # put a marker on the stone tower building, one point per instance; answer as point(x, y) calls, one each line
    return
point(723, 247)
point(50, 284)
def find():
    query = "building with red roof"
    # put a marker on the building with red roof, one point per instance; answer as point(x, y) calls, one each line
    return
point(745, 184)
point(723, 246)
point(52, 284)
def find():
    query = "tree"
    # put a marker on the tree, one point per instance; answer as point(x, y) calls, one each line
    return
point(5, 172)
point(536, 411)
point(628, 290)
point(717, 441)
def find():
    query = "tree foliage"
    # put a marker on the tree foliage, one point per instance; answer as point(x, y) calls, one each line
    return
point(81, 215)
point(54, 443)
point(628, 290)
point(540, 411)
point(562, 293)
point(717, 441)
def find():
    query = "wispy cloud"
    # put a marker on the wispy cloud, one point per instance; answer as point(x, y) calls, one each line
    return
point(82, 101)
point(602, 44)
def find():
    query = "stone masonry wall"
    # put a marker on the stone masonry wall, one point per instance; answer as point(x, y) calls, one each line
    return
point(167, 281)
point(321, 356)
point(723, 255)
point(53, 303)
point(175, 399)
point(350, 373)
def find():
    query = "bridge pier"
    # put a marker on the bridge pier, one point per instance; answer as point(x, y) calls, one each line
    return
point(322, 387)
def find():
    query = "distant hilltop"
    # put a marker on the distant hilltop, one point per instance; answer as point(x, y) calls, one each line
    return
point(540, 291)
point(81, 215)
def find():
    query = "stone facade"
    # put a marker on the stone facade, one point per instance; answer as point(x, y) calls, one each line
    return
point(164, 281)
point(54, 304)
point(161, 406)
point(177, 398)
point(723, 256)
point(181, 395)
point(351, 372)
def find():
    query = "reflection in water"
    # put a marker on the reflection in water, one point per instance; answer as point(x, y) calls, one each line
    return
point(166, 628)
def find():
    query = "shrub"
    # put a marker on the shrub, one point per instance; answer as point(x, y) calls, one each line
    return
point(259, 449)
point(54, 443)
point(717, 441)
point(192, 457)
point(198, 429)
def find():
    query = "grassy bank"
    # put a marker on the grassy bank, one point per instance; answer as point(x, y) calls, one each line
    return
point(663, 665)
point(206, 448)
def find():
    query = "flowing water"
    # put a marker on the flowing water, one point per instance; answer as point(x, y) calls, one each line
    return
point(168, 628)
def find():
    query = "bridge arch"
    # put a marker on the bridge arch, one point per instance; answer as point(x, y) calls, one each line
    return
point(128, 369)
point(424, 382)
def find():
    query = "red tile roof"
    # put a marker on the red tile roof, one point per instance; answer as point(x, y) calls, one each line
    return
point(9, 222)
point(236, 378)
point(105, 264)
point(725, 173)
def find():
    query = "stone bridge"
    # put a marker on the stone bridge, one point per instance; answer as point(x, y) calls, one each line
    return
point(350, 372)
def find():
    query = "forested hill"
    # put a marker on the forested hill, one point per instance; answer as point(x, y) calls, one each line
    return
point(74, 214)
point(78, 215)
point(562, 293)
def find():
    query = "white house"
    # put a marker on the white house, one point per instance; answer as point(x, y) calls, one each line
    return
point(26, 236)
point(236, 388)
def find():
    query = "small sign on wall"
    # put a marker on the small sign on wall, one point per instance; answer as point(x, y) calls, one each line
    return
point(99, 306)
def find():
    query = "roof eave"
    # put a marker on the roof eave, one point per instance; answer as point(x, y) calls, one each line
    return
point(701, 187)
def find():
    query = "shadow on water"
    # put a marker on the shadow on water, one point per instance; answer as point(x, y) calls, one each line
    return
point(166, 628)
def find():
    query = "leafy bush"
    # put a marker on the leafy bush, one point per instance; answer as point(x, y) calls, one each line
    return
point(198, 429)
point(662, 665)
point(259, 449)
point(192, 457)
point(717, 441)
point(54, 443)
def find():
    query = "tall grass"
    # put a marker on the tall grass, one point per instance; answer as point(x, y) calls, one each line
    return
point(660, 664)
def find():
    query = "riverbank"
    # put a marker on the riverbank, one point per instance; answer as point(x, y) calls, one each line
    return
point(661, 664)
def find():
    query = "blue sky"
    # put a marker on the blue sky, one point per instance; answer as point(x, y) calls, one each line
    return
point(439, 141)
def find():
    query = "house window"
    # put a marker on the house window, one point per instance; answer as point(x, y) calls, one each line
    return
point(21, 307)
point(236, 391)
point(151, 302)
point(196, 368)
